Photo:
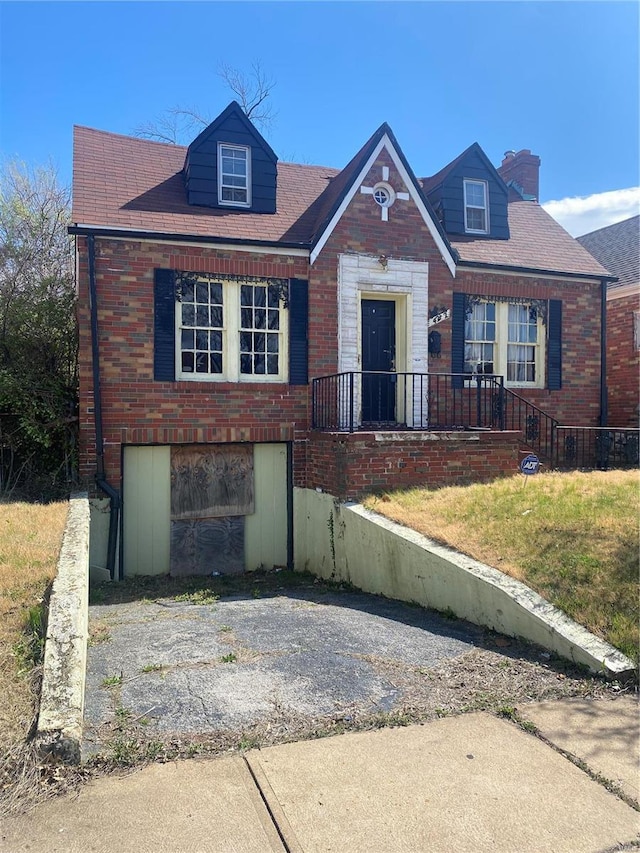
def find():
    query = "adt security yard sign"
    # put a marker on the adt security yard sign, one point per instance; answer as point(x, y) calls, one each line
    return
point(530, 464)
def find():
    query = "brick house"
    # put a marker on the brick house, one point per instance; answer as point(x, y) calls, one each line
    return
point(250, 328)
point(617, 247)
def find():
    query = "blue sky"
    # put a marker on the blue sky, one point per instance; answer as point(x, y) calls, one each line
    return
point(558, 78)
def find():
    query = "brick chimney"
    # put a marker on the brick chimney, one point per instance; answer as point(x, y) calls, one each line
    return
point(523, 169)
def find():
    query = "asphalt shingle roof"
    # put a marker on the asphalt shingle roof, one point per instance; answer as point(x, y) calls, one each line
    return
point(617, 247)
point(122, 182)
point(536, 241)
point(129, 183)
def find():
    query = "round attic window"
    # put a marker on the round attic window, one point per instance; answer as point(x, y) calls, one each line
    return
point(383, 194)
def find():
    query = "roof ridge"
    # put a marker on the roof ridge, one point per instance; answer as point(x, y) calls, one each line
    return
point(173, 146)
point(309, 166)
point(618, 224)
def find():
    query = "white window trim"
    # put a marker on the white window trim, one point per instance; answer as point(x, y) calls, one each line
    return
point(468, 206)
point(225, 202)
point(231, 343)
point(501, 345)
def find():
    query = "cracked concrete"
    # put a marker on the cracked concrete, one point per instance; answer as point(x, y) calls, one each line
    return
point(288, 652)
point(192, 670)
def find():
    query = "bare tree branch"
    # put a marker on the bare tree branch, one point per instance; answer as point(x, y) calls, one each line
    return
point(178, 125)
point(252, 90)
point(174, 125)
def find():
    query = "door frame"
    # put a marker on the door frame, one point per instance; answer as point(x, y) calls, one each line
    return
point(403, 281)
point(402, 304)
point(402, 331)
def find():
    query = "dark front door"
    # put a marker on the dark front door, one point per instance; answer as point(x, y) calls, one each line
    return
point(378, 354)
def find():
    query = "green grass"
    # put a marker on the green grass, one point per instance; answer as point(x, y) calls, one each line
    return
point(572, 537)
point(30, 537)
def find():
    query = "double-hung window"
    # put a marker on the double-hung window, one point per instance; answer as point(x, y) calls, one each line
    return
point(233, 330)
point(522, 345)
point(476, 207)
point(480, 338)
point(234, 175)
point(507, 339)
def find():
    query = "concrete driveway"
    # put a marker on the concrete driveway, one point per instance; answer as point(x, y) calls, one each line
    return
point(246, 671)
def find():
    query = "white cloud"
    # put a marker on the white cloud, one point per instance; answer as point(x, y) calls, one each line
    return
point(583, 214)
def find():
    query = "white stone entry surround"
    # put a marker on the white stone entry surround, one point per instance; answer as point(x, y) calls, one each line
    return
point(406, 283)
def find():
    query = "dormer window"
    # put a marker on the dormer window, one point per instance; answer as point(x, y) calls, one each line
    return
point(476, 207)
point(234, 175)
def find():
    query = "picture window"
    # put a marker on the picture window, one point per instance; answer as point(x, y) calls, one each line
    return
point(505, 339)
point(233, 331)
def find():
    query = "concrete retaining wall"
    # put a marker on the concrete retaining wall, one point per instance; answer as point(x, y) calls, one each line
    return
point(62, 698)
point(347, 542)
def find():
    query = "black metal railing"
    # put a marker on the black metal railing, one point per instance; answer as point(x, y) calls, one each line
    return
point(537, 427)
point(596, 447)
point(369, 399)
point(360, 400)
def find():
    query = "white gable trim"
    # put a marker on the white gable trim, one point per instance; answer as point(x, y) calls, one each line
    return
point(386, 143)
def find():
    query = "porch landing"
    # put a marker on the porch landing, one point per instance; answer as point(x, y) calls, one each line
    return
point(351, 464)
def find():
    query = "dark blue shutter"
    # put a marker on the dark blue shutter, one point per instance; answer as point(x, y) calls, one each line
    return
point(298, 331)
point(458, 321)
point(554, 356)
point(164, 327)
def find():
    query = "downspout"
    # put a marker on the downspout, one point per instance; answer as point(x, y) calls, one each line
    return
point(101, 480)
point(604, 414)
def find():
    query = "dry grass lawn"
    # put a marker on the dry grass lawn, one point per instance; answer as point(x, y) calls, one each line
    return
point(573, 537)
point(30, 538)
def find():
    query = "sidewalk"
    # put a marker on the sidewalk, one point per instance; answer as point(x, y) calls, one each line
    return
point(469, 784)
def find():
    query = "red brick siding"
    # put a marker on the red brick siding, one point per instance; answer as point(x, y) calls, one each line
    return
point(578, 402)
point(350, 466)
point(361, 230)
point(623, 361)
point(524, 169)
point(138, 410)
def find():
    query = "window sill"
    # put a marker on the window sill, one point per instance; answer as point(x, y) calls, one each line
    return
point(524, 385)
point(207, 380)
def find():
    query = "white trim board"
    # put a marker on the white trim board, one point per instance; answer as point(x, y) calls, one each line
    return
point(385, 143)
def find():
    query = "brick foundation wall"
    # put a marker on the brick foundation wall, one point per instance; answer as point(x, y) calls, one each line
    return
point(352, 465)
point(623, 358)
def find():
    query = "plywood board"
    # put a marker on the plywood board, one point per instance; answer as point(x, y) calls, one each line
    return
point(209, 481)
point(207, 546)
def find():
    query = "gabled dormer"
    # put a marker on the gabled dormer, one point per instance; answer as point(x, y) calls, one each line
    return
point(470, 197)
point(231, 166)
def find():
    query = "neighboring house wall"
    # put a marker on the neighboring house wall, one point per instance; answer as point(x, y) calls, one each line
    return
point(623, 355)
point(617, 247)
